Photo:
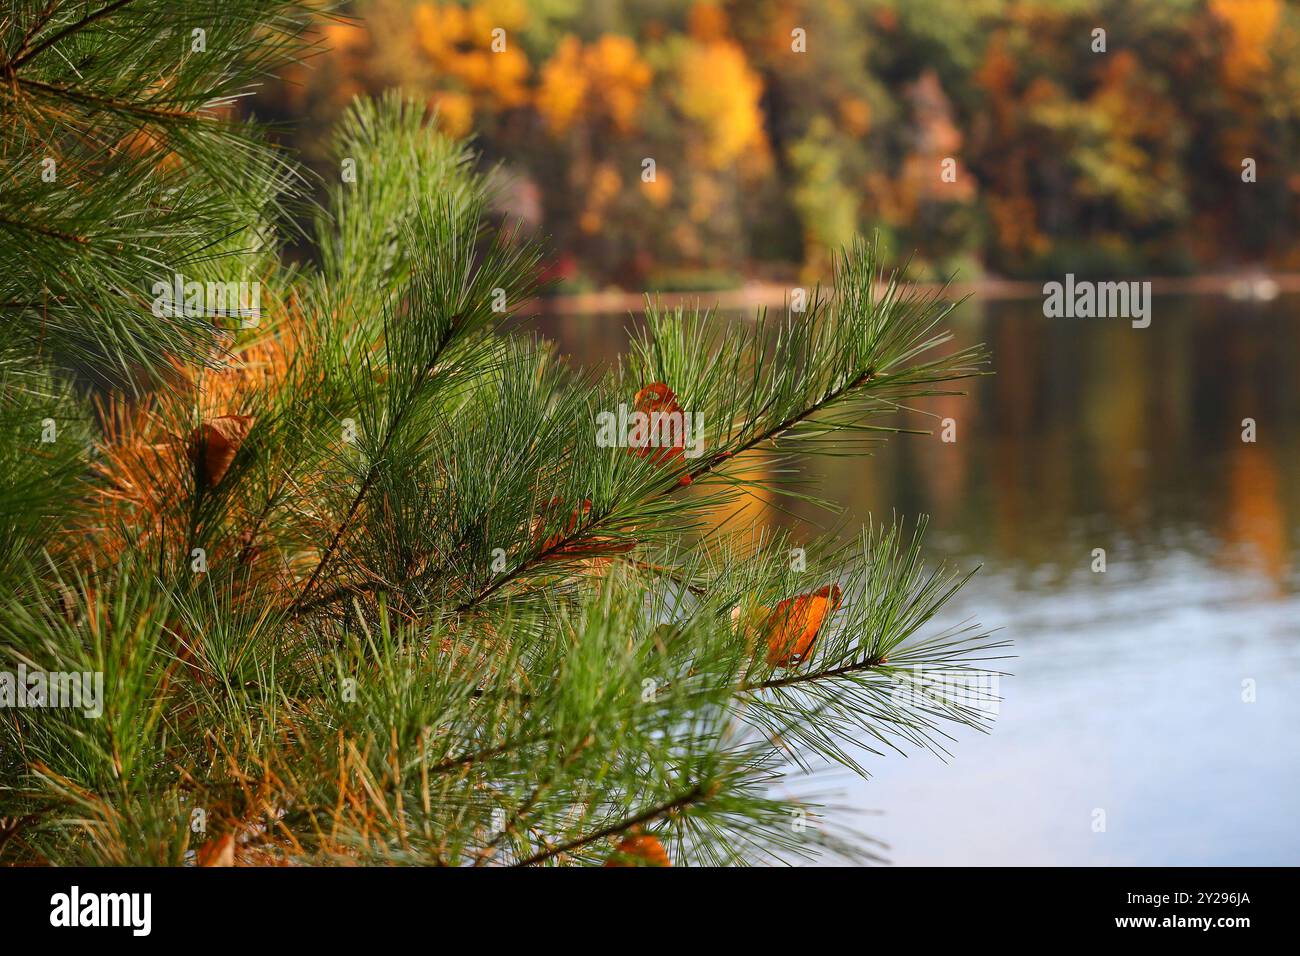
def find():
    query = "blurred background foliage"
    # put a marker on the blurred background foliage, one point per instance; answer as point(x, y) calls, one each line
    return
point(1122, 162)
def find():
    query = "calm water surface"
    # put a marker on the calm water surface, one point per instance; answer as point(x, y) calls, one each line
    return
point(1127, 694)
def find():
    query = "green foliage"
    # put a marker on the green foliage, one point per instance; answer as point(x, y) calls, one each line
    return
point(418, 614)
point(122, 165)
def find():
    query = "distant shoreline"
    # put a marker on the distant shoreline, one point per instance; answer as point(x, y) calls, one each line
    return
point(1253, 286)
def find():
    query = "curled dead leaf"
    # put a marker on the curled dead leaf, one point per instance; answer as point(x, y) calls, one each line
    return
point(639, 849)
point(793, 625)
point(219, 851)
point(214, 444)
point(658, 399)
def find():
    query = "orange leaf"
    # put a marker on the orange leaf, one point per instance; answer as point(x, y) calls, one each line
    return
point(213, 446)
point(793, 625)
point(218, 852)
point(656, 397)
point(659, 398)
point(639, 850)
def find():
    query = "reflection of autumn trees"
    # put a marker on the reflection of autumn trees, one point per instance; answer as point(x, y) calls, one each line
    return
point(1254, 523)
point(1067, 159)
point(943, 466)
point(1098, 435)
point(1116, 398)
point(1255, 526)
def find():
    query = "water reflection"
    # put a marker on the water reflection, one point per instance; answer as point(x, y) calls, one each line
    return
point(1128, 694)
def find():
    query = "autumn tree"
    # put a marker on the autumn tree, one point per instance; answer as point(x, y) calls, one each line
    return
point(966, 135)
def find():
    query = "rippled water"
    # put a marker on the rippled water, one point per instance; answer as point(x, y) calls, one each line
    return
point(1127, 694)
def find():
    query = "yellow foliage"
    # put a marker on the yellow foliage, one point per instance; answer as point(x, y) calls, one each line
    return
point(721, 93)
point(509, 80)
point(563, 86)
point(443, 27)
point(609, 76)
point(438, 28)
point(620, 74)
point(458, 43)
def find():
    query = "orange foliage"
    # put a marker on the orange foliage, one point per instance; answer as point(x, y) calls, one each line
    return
point(855, 115)
point(795, 623)
point(660, 189)
point(658, 399)
point(564, 85)
point(608, 77)
point(791, 628)
point(639, 850)
point(1252, 24)
point(458, 43)
point(603, 190)
point(151, 454)
point(707, 22)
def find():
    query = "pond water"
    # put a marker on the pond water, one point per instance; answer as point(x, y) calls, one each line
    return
point(1163, 693)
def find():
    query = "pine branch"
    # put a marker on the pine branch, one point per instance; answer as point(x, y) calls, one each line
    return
point(669, 486)
point(470, 438)
point(63, 34)
point(371, 474)
point(522, 811)
point(790, 680)
point(783, 426)
point(692, 796)
point(38, 23)
point(105, 102)
point(43, 230)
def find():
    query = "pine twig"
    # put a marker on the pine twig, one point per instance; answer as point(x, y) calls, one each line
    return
point(66, 32)
point(692, 796)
